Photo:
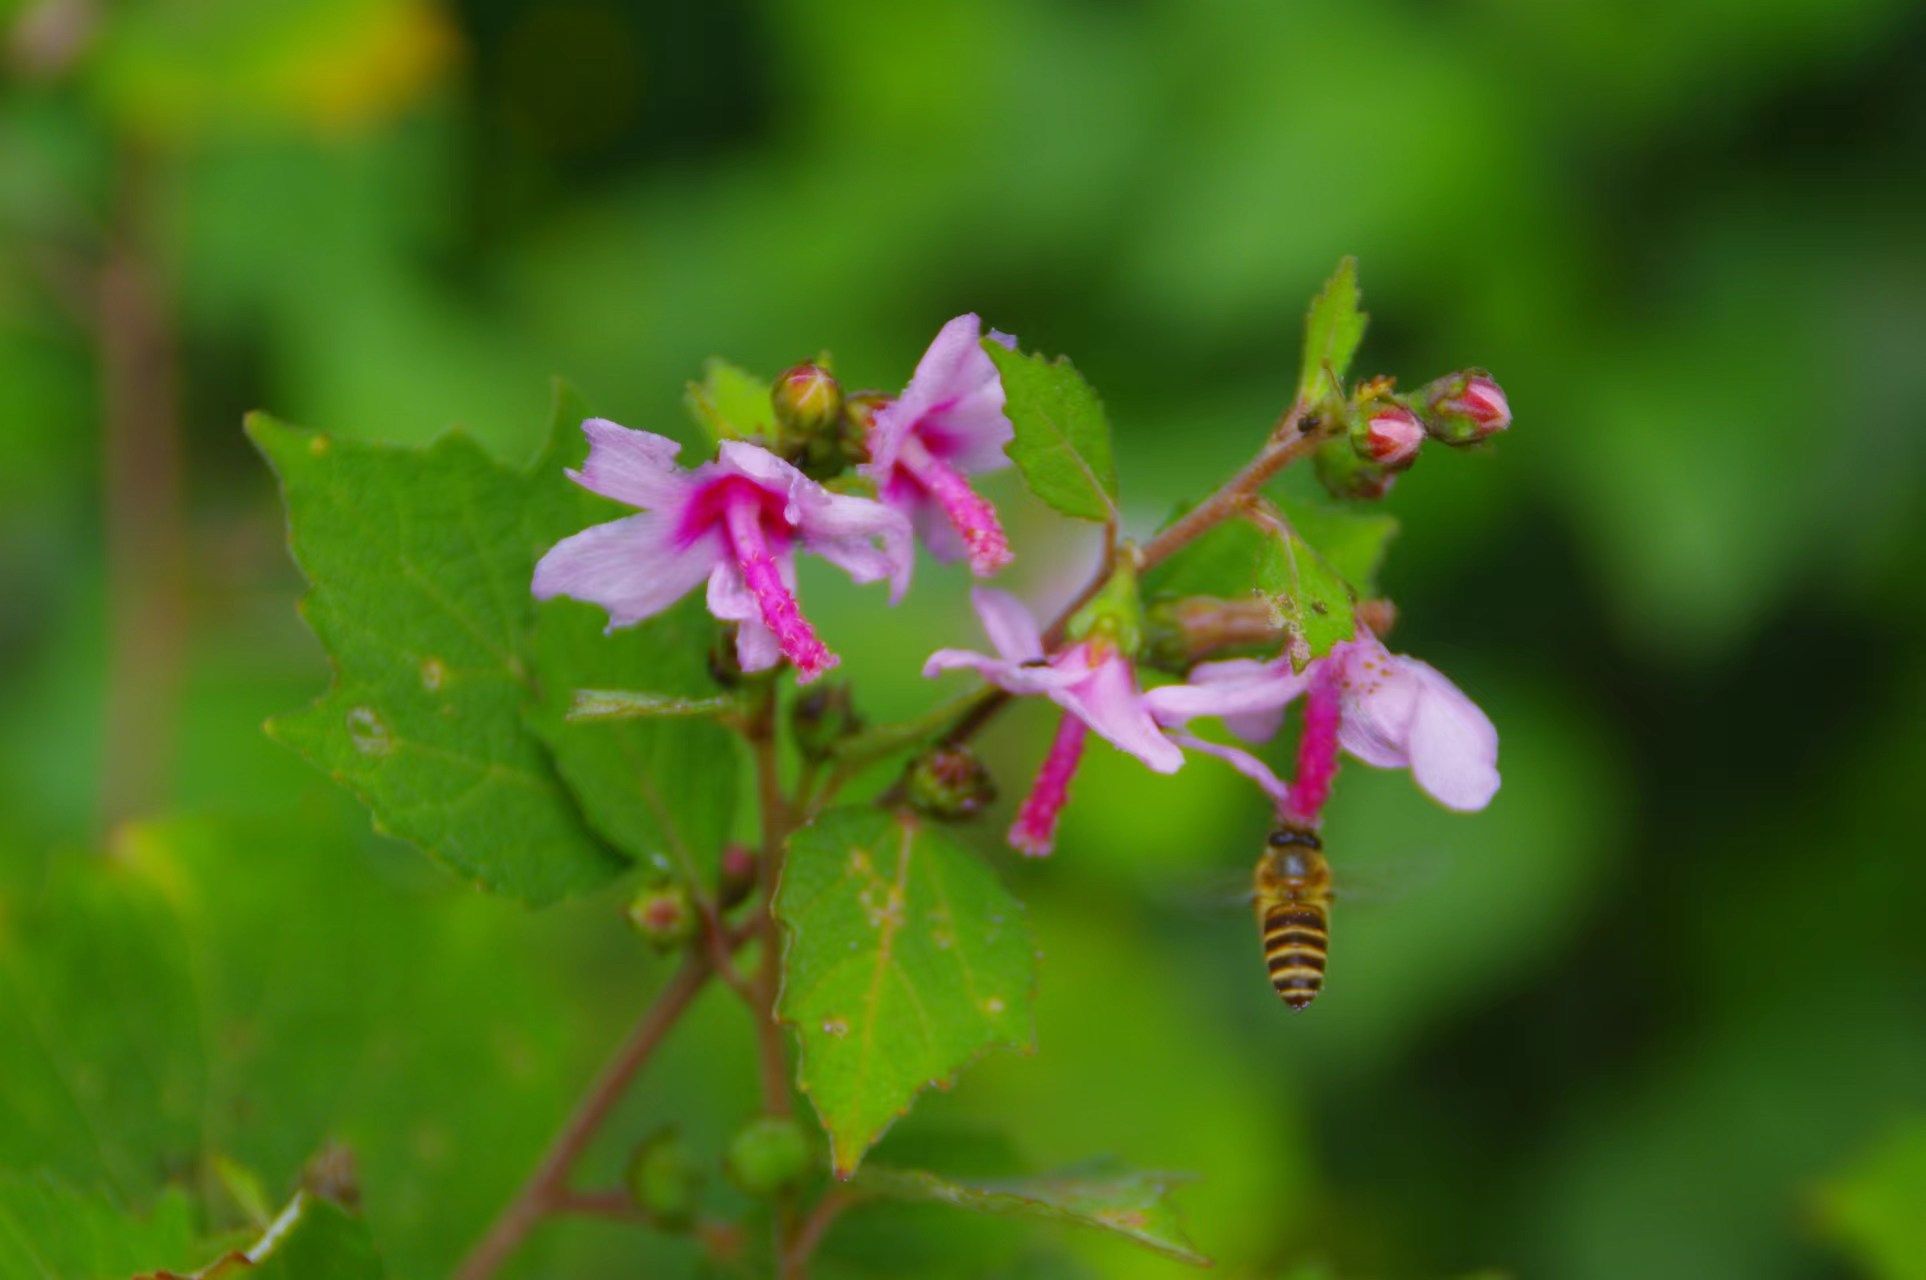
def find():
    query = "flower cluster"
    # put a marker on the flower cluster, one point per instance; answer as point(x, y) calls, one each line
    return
point(737, 522)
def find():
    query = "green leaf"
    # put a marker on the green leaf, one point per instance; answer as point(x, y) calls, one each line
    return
point(1873, 1210)
point(904, 959)
point(48, 1230)
point(1062, 442)
point(1351, 540)
point(1311, 597)
point(1222, 562)
point(1333, 327)
point(419, 562)
point(731, 403)
point(589, 705)
point(662, 780)
point(1133, 1205)
point(313, 1239)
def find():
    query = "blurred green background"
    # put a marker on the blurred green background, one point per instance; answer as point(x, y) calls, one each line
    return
point(1661, 1011)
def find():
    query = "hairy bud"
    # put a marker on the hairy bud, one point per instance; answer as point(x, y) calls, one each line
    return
point(736, 873)
point(1464, 407)
point(664, 1180)
point(664, 915)
point(1387, 433)
point(949, 783)
point(822, 717)
point(1347, 474)
point(1179, 633)
point(807, 398)
point(768, 1155)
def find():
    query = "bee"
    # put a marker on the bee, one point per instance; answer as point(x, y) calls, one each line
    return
point(1293, 895)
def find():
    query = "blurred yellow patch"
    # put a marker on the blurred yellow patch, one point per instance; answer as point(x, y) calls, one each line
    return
point(176, 70)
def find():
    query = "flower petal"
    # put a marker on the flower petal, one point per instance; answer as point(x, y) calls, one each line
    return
point(1015, 677)
point(1252, 694)
point(1453, 745)
point(1241, 760)
point(730, 599)
point(953, 403)
point(1010, 626)
point(860, 536)
point(632, 567)
point(1380, 695)
point(1108, 701)
point(636, 467)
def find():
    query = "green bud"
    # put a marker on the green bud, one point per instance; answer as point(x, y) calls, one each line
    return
point(822, 717)
point(1179, 633)
point(1346, 474)
point(1464, 407)
point(664, 1180)
point(768, 1155)
point(1116, 613)
point(949, 783)
point(664, 915)
point(807, 398)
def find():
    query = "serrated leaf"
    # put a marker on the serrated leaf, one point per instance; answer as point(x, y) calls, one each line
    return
point(904, 959)
point(1062, 442)
point(1310, 596)
point(419, 563)
point(312, 1239)
point(1133, 1205)
point(1351, 541)
point(1333, 327)
point(731, 403)
point(50, 1230)
point(664, 782)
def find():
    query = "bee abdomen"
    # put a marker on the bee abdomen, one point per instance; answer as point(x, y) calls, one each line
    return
point(1296, 936)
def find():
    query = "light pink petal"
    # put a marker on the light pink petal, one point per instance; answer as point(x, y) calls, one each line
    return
point(1013, 676)
point(860, 536)
point(731, 600)
point(1453, 745)
point(636, 467)
point(1380, 695)
point(953, 403)
point(1242, 761)
point(632, 567)
point(1251, 693)
point(755, 463)
point(1010, 626)
point(1108, 702)
point(932, 524)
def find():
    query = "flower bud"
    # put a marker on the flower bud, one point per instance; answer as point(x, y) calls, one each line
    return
point(949, 783)
point(736, 873)
point(1464, 407)
point(1387, 433)
point(822, 717)
point(768, 1155)
point(808, 399)
point(1347, 474)
point(1379, 615)
point(1115, 615)
point(664, 1180)
point(664, 915)
point(1179, 633)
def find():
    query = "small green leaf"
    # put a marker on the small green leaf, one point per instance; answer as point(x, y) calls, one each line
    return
point(419, 563)
point(1333, 327)
point(48, 1229)
point(1062, 442)
point(904, 959)
point(1310, 596)
point(589, 705)
point(1222, 562)
point(1133, 1205)
point(1352, 541)
point(731, 403)
point(661, 780)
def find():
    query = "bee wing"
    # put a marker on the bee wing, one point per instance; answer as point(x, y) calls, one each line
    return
point(1213, 894)
point(1387, 878)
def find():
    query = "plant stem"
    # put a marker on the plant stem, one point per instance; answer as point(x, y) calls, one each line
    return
point(794, 1263)
point(771, 1058)
point(546, 1190)
point(1286, 444)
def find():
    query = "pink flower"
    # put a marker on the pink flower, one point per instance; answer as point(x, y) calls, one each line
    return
point(1483, 402)
point(735, 521)
point(1094, 684)
point(947, 424)
point(1393, 712)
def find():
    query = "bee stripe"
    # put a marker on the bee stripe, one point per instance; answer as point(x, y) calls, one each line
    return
point(1296, 960)
point(1291, 934)
point(1306, 917)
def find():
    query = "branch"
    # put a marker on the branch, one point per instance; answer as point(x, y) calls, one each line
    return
point(546, 1190)
point(1293, 437)
point(772, 1061)
point(794, 1263)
